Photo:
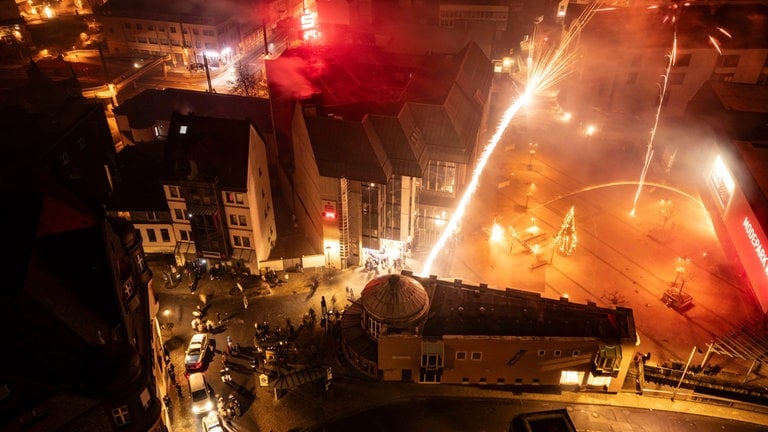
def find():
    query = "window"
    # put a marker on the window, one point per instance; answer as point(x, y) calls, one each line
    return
point(571, 377)
point(518, 381)
point(542, 353)
point(229, 197)
point(557, 353)
point(178, 214)
point(477, 355)
point(174, 191)
point(183, 129)
point(461, 355)
point(440, 177)
point(151, 236)
point(246, 241)
point(142, 39)
point(575, 353)
point(483, 381)
point(730, 60)
point(151, 27)
point(195, 32)
point(500, 381)
point(241, 219)
point(233, 219)
point(465, 380)
point(683, 60)
point(165, 235)
point(161, 29)
point(183, 235)
point(127, 25)
point(207, 32)
point(172, 29)
point(121, 415)
point(239, 198)
point(236, 240)
point(153, 216)
point(536, 381)
point(139, 27)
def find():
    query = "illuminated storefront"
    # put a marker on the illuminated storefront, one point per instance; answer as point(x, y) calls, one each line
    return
point(733, 201)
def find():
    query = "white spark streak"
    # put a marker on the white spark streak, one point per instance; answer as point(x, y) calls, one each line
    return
point(546, 68)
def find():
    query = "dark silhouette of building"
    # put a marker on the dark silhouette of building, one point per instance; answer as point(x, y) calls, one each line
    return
point(76, 299)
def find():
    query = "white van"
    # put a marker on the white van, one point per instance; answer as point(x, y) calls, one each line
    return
point(201, 397)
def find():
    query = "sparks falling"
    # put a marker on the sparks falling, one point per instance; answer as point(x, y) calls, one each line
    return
point(545, 69)
point(652, 138)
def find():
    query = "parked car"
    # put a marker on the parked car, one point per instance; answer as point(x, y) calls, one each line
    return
point(201, 397)
point(212, 423)
point(197, 351)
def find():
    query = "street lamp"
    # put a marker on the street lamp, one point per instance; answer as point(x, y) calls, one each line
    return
point(531, 151)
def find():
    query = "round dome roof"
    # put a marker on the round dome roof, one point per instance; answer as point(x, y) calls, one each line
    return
point(396, 300)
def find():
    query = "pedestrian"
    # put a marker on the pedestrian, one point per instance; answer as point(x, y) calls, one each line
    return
point(218, 317)
point(224, 359)
point(178, 391)
point(172, 375)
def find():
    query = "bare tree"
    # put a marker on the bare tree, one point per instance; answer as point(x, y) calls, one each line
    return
point(245, 82)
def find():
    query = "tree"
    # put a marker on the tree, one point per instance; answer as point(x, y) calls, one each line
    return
point(245, 82)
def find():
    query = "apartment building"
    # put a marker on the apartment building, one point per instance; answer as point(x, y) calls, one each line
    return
point(208, 199)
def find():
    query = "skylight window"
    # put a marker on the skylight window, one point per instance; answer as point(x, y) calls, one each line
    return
point(183, 129)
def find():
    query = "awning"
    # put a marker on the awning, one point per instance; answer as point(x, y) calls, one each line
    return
point(201, 210)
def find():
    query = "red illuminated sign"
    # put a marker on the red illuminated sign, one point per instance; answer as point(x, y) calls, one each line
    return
point(754, 240)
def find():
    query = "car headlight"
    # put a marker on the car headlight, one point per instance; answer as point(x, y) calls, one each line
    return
point(196, 410)
point(209, 406)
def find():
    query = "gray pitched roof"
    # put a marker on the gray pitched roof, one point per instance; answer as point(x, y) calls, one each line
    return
point(211, 149)
point(345, 149)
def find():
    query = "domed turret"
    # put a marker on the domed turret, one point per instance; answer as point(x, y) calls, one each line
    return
point(395, 300)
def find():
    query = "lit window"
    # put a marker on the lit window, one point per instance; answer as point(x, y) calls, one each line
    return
point(241, 219)
point(571, 377)
point(183, 129)
point(239, 198)
point(121, 415)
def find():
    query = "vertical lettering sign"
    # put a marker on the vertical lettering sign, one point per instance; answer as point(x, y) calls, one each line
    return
point(755, 242)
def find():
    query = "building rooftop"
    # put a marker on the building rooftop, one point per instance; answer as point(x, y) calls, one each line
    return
point(149, 106)
point(208, 149)
point(461, 309)
point(186, 11)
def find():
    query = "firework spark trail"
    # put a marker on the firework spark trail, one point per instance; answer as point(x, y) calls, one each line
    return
point(652, 138)
point(544, 71)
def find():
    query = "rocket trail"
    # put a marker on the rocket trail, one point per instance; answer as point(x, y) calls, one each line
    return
point(545, 69)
